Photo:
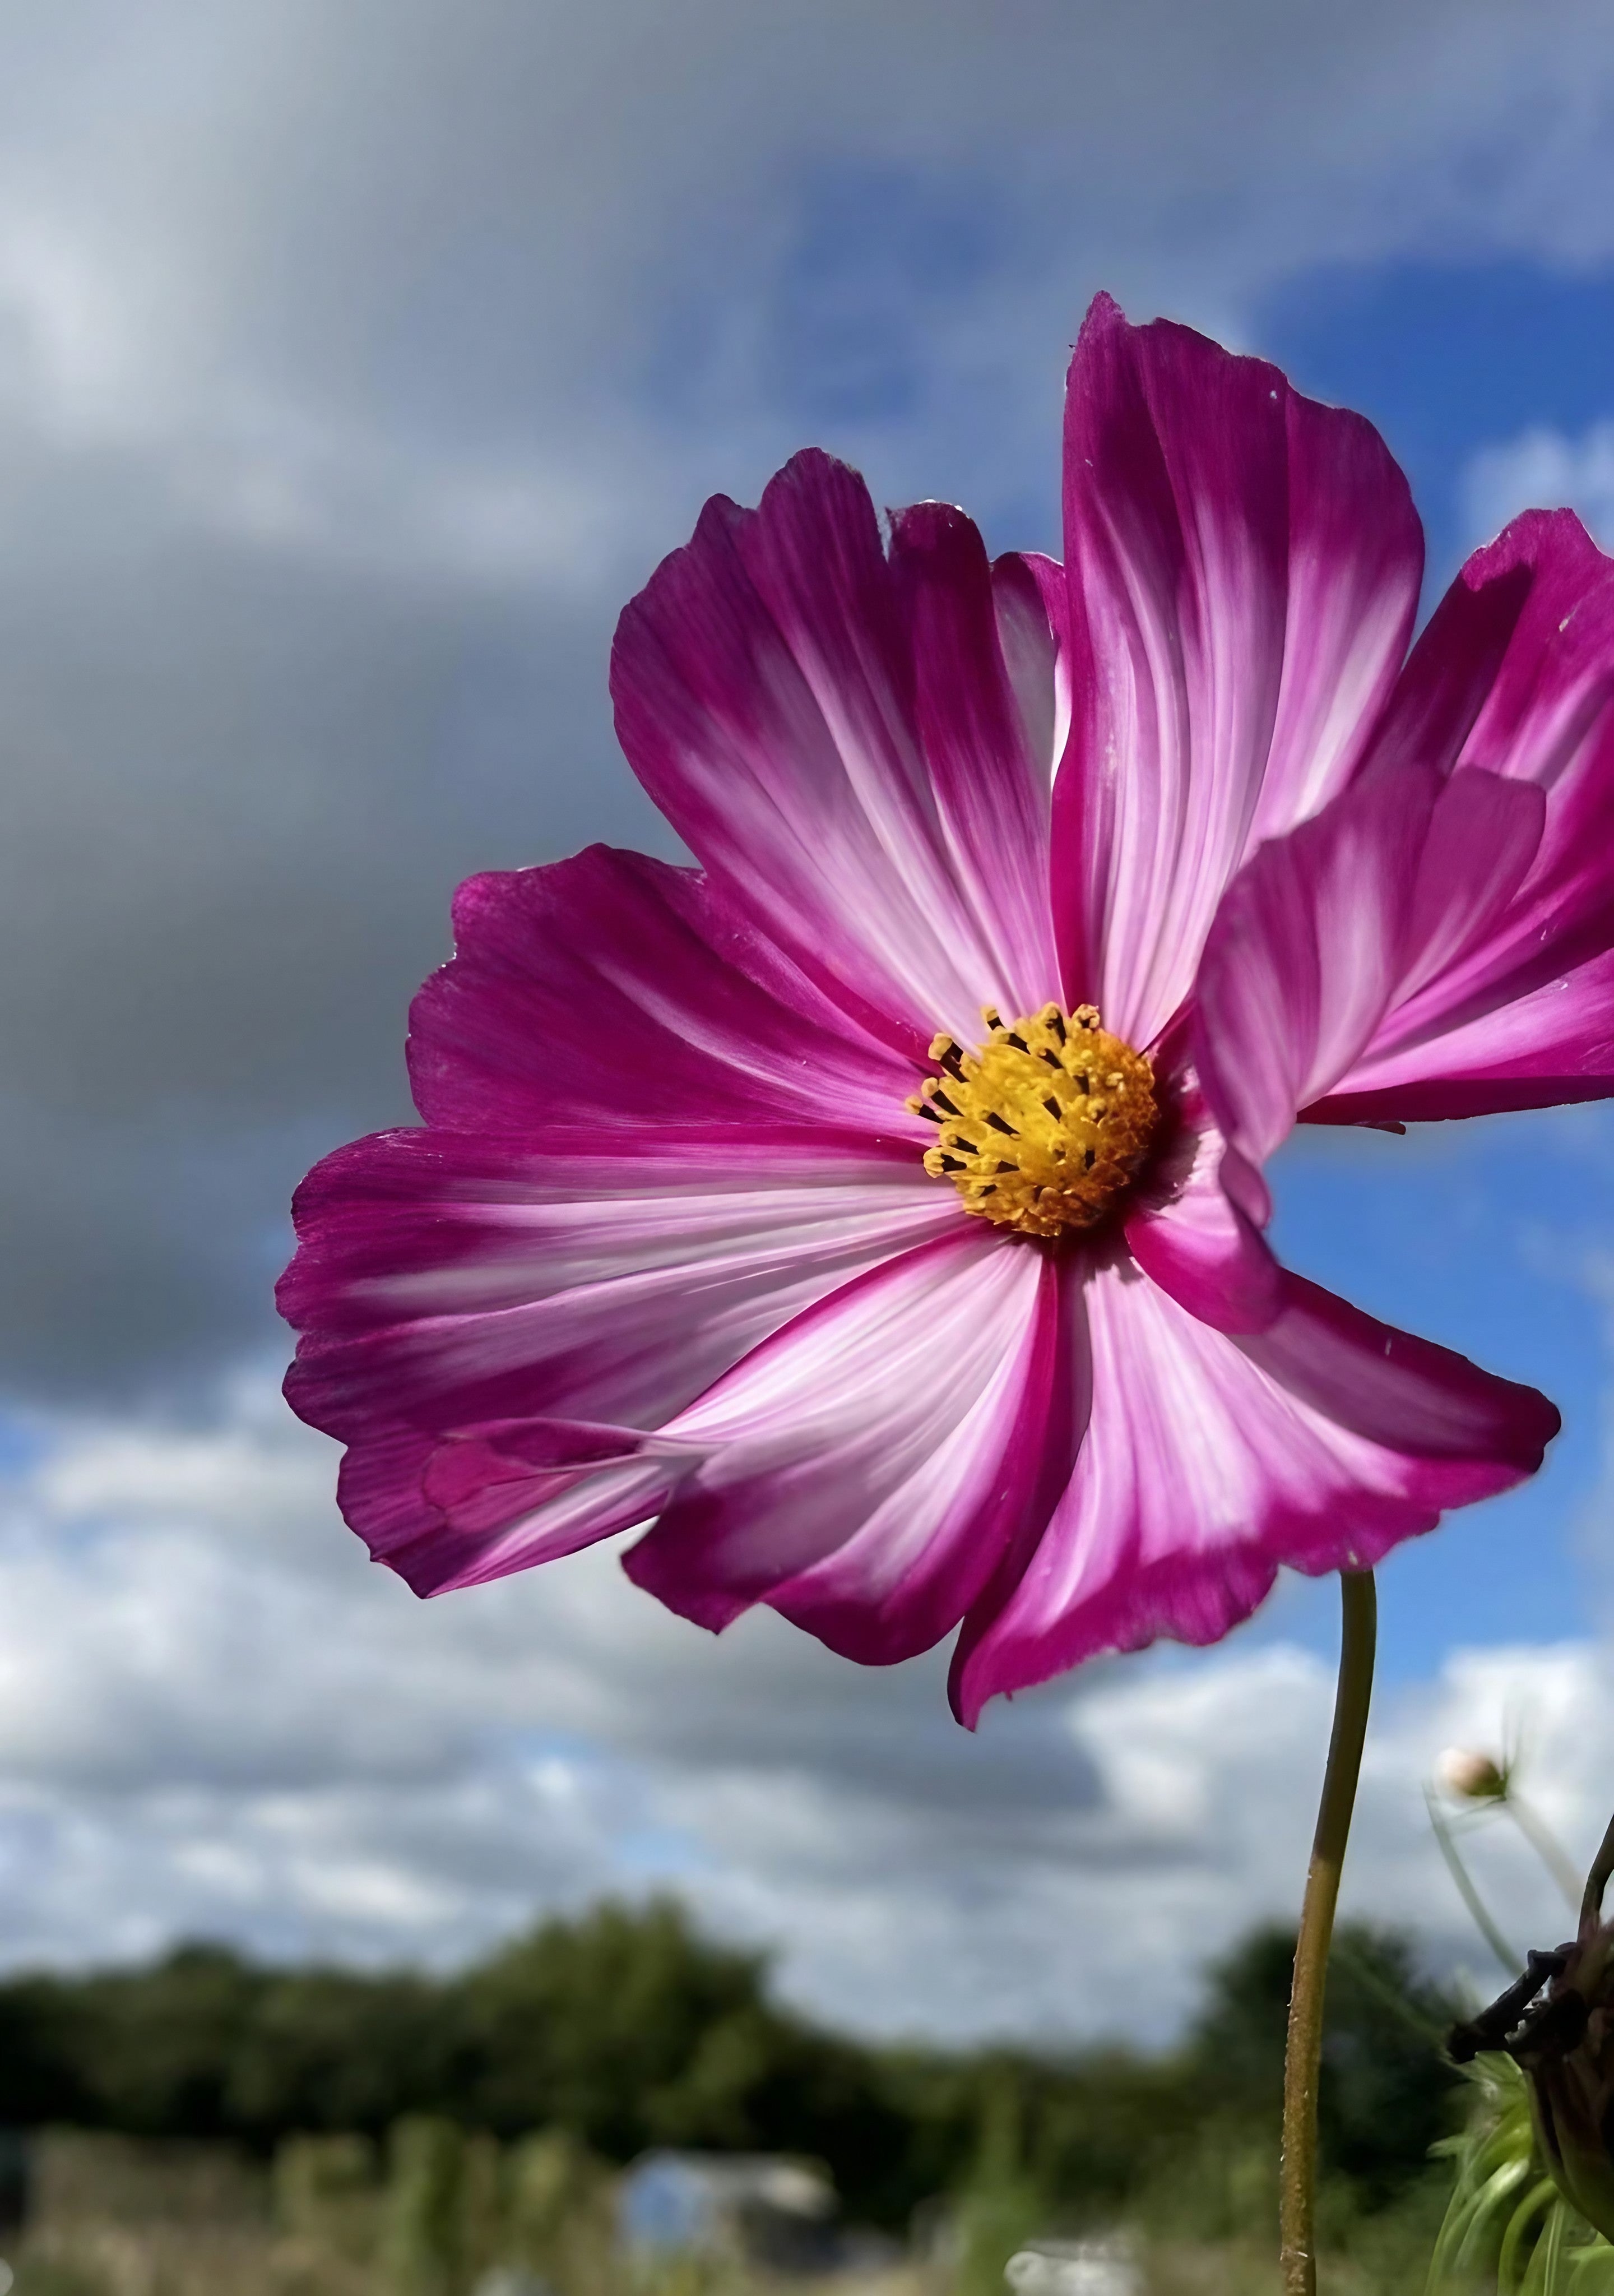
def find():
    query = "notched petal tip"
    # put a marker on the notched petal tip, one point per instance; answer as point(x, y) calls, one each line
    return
point(1528, 538)
point(1103, 316)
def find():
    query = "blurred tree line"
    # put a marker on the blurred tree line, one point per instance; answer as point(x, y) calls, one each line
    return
point(627, 2028)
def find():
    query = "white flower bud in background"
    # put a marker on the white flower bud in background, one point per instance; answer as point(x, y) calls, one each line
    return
point(1468, 1777)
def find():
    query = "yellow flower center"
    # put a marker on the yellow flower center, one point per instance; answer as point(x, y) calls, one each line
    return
point(1044, 1126)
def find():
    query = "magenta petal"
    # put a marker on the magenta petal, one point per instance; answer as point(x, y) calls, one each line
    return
point(1514, 679)
point(452, 1511)
point(448, 1284)
point(1243, 570)
point(1307, 955)
point(1028, 591)
point(1520, 650)
point(618, 991)
point(1549, 1048)
point(485, 1478)
point(1461, 1433)
point(1484, 833)
point(1333, 935)
point(1210, 1463)
point(1198, 1241)
point(869, 1469)
point(784, 693)
point(987, 733)
point(521, 1492)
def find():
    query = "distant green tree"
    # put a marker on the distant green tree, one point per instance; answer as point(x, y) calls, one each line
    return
point(592, 2024)
point(629, 2029)
point(1386, 2091)
point(334, 2049)
point(765, 2082)
point(47, 2038)
point(158, 2044)
point(1103, 2124)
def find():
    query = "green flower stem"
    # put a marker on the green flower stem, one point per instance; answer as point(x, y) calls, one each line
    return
point(1505, 1954)
point(1597, 1880)
point(1546, 1843)
point(1297, 2175)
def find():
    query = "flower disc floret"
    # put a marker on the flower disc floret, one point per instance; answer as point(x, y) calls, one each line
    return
point(1045, 1124)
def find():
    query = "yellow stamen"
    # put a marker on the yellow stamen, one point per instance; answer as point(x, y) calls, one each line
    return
point(1044, 1126)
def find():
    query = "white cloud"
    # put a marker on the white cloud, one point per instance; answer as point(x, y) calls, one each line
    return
point(214, 1716)
point(1542, 470)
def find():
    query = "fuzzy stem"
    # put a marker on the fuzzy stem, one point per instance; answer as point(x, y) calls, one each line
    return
point(1297, 2175)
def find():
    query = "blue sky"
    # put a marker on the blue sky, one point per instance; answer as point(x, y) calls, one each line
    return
point(355, 366)
point(1447, 359)
point(1489, 1238)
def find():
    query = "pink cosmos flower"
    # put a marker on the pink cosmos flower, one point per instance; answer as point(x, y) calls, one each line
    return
point(876, 1210)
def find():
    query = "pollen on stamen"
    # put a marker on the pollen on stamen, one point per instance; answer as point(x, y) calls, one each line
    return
point(1073, 1154)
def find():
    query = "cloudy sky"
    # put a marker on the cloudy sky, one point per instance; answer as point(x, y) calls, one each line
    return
point(356, 364)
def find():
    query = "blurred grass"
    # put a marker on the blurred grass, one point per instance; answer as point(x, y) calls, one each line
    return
point(435, 2211)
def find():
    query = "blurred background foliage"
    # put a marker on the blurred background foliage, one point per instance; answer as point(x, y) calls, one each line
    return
point(626, 2028)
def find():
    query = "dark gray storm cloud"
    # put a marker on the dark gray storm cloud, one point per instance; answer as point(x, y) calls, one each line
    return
point(355, 364)
point(240, 791)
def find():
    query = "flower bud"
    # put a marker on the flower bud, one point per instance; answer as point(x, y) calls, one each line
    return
point(1468, 1777)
